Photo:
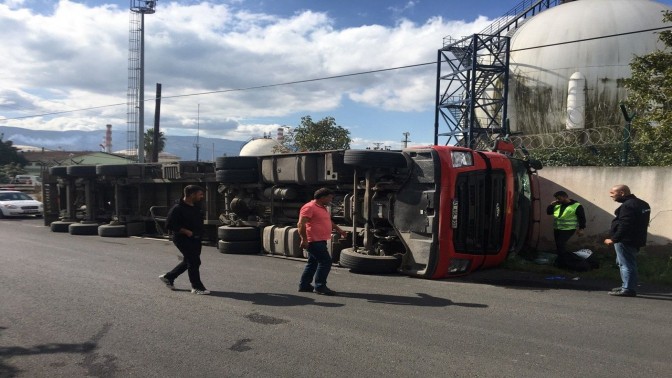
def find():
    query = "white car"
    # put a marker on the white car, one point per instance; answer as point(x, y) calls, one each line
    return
point(15, 203)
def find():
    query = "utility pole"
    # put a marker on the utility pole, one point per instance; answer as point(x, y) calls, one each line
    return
point(157, 121)
point(406, 140)
point(198, 131)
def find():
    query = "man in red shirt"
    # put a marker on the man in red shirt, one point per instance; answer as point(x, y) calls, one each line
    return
point(315, 227)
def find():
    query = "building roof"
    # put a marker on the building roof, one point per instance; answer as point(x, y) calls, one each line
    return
point(70, 157)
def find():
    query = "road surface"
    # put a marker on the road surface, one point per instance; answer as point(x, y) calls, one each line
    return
point(73, 306)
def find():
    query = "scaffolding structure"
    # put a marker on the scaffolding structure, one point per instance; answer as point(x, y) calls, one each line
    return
point(472, 80)
point(135, 98)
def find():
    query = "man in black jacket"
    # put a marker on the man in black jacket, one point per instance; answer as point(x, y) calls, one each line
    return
point(186, 223)
point(628, 233)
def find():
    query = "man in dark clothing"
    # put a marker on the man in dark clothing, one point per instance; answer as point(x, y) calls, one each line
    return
point(186, 223)
point(628, 233)
point(568, 217)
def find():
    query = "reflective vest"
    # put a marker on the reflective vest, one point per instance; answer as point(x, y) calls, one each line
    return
point(568, 219)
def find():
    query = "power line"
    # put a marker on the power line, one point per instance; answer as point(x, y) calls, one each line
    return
point(64, 112)
point(329, 77)
point(593, 38)
point(303, 81)
point(233, 90)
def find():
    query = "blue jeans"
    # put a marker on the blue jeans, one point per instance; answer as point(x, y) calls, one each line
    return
point(626, 258)
point(319, 265)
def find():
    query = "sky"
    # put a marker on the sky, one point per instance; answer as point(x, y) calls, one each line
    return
point(62, 58)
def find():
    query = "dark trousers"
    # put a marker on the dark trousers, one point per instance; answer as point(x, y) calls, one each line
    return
point(319, 265)
point(561, 238)
point(191, 250)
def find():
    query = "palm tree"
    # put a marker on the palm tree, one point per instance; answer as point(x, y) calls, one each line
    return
point(149, 142)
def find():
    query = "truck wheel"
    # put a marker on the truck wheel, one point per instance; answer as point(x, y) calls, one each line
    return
point(112, 230)
point(244, 247)
point(60, 226)
point(82, 170)
point(361, 263)
point(83, 229)
point(372, 158)
point(112, 169)
point(58, 171)
point(235, 162)
point(231, 176)
point(229, 233)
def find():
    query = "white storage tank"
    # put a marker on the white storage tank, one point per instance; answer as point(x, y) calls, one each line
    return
point(259, 147)
point(551, 47)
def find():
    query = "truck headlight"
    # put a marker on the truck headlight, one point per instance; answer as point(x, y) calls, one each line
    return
point(461, 159)
point(459, 265)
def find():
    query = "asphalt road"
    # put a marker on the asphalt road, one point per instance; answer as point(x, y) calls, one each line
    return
point(73, 306)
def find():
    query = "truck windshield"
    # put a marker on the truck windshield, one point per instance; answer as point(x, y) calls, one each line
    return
point(522, 205)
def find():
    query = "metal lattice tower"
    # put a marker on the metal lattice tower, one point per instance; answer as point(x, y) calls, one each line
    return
point(135, 97)
point(472, 79)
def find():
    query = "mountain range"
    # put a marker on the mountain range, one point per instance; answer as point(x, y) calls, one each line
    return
point(182, 146)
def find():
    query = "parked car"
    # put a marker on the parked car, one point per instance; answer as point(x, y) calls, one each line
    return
point(27, 180)
point(15, 203)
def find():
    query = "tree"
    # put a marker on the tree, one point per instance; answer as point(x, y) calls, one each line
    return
point(9, 153)
point(9, 171)
point(322, 135)
point(11, 162)
point(149, 142)
point(650, 97)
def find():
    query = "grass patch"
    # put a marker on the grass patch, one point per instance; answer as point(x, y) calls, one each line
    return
point(654, 266)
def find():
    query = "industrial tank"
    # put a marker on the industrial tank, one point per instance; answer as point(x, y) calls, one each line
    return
point(259, 147)
point(581, 50)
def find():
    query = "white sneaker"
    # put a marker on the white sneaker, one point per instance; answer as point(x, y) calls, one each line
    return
point(200, 292)
point(166, 281)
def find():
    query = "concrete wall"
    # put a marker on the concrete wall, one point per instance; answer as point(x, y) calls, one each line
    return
point(590, 186)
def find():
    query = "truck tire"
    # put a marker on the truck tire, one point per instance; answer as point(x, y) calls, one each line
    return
point(372, 158)
point(229, 233)
point(361, 263)
point(112, 169)
point(245, 247)
point(235, 162)
point(58, 171)
point(83, 229)
point(112, 230)
point(231, 176)
point(82, 170)
point(60, 226)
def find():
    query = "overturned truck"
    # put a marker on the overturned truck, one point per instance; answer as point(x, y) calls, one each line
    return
point(429, 212)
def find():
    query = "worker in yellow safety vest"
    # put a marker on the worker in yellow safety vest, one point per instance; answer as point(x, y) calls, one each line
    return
point(568, 218)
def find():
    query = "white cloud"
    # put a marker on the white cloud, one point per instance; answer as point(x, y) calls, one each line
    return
point(13, 4)
point(76, 57)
